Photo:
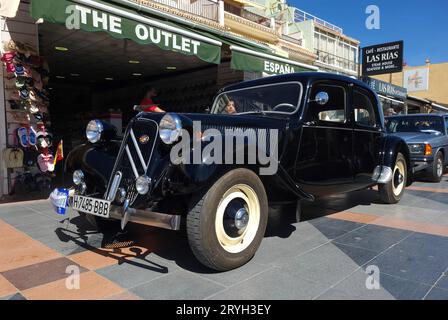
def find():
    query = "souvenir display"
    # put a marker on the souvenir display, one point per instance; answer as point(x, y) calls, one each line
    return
point(28, 119)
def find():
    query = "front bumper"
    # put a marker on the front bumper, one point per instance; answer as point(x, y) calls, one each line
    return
point(421, 163)
point(139, 216)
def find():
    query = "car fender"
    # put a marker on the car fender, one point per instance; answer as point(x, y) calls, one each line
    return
point(391, 147)
point(95, 160)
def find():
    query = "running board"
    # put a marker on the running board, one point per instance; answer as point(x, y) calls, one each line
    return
point(146, 217)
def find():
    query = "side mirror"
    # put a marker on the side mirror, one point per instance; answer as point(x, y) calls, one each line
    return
point(321, 98)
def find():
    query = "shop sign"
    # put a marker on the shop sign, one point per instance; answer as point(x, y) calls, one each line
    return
point(76, 16)
point(251, 63)
point(416, 79)
point(386, 88)
point(383, 58)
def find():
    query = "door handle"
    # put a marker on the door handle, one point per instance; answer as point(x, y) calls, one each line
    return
point(311, 123)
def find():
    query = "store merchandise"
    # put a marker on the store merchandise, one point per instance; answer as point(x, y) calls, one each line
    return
point(30, 142)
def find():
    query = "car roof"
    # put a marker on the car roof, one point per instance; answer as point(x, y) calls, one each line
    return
point(303, 77)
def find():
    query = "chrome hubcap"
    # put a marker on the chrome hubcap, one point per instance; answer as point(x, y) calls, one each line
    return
point(439, 167)
point(398, 178)
point(237, 218)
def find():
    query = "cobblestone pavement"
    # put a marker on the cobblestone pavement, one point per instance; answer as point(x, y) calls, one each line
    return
point(323, 257)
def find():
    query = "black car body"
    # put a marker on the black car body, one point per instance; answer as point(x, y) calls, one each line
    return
point(427, 139)
point(329, 138)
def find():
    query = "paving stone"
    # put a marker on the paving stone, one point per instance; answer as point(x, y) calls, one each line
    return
point(437, 294)
point(391, 288)
point(329, 263)
point(180, 285)
point(418, 258)
point(273, 284)
point(134, 272)
point(373, 238)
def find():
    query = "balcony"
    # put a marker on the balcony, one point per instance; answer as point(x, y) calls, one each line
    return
point(333, 61)
point(201, 9)
point(252, 25)
point(248, 15)
point(300, 16)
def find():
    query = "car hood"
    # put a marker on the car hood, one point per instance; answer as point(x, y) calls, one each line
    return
point(415, 137)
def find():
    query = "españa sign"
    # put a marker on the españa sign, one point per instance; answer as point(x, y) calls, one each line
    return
point(247, 62)
point(126, 24)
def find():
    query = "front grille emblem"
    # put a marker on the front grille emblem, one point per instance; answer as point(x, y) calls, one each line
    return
point(144, 139)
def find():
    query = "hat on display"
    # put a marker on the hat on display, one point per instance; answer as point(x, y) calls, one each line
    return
point(10, 46)
point(24, 94)
point(19, 70)
point(46, 162)
point(20, 82)
point(8, 56)
point(44, 140)
point(37, 80)
point(33, 108)
point(10, 68)
point(34, 97)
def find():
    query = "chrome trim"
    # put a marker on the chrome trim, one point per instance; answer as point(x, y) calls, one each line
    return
point(131, 161)
point(139, 152)
point(114, 186)
point(325, 127)
point(146, 217)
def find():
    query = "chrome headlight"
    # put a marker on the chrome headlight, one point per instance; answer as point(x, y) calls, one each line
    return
point(94, 130)
point(420, 148)
point(78, 177)
point(170, 128)
point(142, 184)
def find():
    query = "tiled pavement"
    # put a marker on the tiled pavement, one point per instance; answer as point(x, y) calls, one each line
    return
point(324, 257)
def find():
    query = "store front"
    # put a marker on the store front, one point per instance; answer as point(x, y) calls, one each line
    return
point(392, 97)
point(97, 60)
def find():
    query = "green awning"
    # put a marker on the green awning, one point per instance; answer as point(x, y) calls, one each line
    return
point(123, 23)
point(253, 61)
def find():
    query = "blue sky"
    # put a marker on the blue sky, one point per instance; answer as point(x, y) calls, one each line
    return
point(423, 25)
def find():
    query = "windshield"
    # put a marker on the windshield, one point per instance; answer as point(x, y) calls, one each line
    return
point(278, 98)
point(415, 124)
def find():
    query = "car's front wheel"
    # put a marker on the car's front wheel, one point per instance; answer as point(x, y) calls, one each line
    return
point(392, 191)
point(436, 171)
point(225, 227)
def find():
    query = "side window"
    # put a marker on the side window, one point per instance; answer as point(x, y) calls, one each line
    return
point(446, 125)
point(364, 108)
point(333, 110)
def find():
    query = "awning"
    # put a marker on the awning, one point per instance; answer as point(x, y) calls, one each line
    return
point(123, 23)
point(253, 61)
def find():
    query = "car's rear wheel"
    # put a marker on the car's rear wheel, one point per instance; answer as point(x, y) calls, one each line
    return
point(225, 227)
point(437, 169)
point(392, 191)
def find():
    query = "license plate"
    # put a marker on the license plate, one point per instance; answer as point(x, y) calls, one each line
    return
point(97, 207)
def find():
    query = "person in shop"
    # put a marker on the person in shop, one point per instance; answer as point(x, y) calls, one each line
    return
point(147, 104)
point(230, 107)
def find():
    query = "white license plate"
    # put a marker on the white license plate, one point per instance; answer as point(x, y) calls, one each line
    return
point(97, 207)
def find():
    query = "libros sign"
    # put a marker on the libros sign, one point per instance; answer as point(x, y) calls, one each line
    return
point(383, 58)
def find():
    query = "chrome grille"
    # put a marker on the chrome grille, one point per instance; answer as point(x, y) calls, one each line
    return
point(135, 157)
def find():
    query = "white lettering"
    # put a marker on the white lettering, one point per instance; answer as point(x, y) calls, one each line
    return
point(115, 24)
point(141, 32)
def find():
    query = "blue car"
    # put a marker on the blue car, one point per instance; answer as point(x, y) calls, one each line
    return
point(427, 138)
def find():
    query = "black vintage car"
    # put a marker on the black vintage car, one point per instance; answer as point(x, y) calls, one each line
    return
point(427, 139)
point(296, 137)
